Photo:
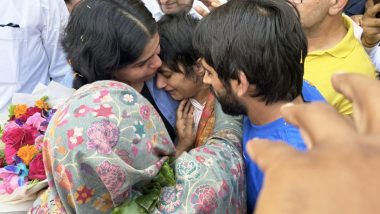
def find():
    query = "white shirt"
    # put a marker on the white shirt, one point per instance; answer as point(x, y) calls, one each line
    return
point(198, 109)
point(157, 13)
point(374, 52)
point(31, 53)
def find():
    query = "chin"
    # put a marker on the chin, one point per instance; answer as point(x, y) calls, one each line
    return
point(169, 11)
point(177, 98)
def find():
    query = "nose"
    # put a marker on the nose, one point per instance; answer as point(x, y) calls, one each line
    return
point(163, 1)
point(161, 81)
point(156, 63)
point(206, 79)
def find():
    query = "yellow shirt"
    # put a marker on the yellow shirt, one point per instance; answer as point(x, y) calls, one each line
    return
point(347, 56)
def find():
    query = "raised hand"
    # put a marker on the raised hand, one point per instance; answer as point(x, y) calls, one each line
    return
point(211, 5)
point(341, 171)
point(185, 127)
point(371, 25)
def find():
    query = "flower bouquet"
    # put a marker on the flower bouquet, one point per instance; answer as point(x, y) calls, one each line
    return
point(22, 172)
point(21, 160)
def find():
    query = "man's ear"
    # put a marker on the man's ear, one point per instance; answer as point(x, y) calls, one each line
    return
point(337, 7)
point(240, 86)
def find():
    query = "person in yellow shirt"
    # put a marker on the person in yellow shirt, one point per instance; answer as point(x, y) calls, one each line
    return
point(332, 48)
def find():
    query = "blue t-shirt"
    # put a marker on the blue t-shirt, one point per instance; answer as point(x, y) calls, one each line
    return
point(278, 130)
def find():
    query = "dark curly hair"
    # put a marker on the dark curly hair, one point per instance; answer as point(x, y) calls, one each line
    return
point(176, 34)
point(103, 36)
point(262, 38)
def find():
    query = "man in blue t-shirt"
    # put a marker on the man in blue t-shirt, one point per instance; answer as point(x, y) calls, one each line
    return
point(253, 53)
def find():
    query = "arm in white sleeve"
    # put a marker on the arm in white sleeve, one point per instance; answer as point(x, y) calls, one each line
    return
point(374, 54)
point(55, 16)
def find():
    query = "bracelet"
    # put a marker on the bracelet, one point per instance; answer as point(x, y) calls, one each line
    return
point(368, 45)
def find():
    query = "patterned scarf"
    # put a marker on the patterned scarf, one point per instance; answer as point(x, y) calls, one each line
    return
point(102, 147)
point(207, 121)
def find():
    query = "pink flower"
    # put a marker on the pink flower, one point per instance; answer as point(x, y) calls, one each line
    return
point(204, 199)
point(11, 125)
point(125, 156)
point(135, 150)
point(101, 96)
point(224, 190)
point(10, 181)
point(15, 138)
point(200, 159)
point(75, 137)
point(115, 84)
point(38, 142)
point(35, 121)
point(208, 151)
point(82, 111)
point(36, 168)
point(103, 111)
point(103, 136)
point(145, 112)
point(171, 199)
point(29, 112)
point(112, 176)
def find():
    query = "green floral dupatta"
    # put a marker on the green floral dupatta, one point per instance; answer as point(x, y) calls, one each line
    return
point(105, 143)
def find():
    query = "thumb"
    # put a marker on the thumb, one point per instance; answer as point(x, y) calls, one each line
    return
point(266, 152)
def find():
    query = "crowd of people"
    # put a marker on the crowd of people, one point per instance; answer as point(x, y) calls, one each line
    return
point(264, 106)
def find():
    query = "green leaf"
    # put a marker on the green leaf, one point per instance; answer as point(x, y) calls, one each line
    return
point(1, 133)
point(129, 207)
point(44, 98)
point(11, 111)
point(2, 155)
point(150, 197)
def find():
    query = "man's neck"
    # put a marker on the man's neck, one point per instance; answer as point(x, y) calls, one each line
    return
point(261, 114)
point(327, 35)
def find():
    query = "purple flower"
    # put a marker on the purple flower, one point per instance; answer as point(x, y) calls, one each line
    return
point(112, 176)
point(103, 136)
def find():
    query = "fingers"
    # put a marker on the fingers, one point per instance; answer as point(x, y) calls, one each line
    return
point(190, 119)
point(266, 153)
point(319, 123)
point(187, 108)
point(372, 10)
point(357, 19)
point(201, 11)
point(373, 31)
point(185, 118)
point(181, 108)
point(371, 22)
point(364, 94)
point(211, 3)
